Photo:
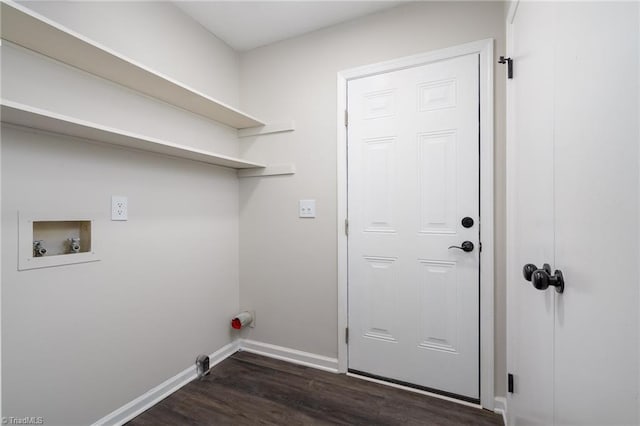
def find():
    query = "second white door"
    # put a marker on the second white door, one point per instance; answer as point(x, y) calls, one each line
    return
point(572, 202)
point(413, 176)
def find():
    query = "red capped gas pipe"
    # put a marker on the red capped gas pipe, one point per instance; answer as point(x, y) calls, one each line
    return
point(242, 320)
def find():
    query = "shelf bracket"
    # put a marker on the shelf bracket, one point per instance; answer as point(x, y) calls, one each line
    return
point(274, 170)
point(267, 129)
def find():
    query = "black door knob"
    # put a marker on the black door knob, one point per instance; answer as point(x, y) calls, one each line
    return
point(465, 246)
point(542, 278)
point(530, 268)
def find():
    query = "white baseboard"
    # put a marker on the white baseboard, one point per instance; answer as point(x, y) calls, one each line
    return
point(500, 407)
point(163, 390)
point(290, 355)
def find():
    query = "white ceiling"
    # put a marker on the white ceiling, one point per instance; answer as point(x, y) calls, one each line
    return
point(245, 25)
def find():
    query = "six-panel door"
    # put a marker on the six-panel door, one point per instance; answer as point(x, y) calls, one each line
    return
point(413, 167)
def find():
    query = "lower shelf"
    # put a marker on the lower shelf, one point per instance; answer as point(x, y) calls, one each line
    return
point(22, 115)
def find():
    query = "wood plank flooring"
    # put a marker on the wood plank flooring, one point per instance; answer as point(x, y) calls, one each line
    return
point(248, 389)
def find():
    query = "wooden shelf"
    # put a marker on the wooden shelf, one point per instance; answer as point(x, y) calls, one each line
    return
point(35, 32)
point(35, 118)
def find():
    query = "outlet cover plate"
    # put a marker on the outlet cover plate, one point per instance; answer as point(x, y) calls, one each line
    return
point(119, 208)
point(307, 208)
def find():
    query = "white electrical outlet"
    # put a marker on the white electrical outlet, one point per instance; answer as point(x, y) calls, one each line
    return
point(119, 208)
point(307, 208)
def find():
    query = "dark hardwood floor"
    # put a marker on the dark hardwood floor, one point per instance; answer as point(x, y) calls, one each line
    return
point(248, 389)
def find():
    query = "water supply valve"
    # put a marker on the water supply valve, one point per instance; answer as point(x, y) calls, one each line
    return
point(38, 249)
point(74, 245)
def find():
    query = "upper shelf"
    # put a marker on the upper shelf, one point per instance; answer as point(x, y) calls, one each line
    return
point(35, 32)
point(26, 116)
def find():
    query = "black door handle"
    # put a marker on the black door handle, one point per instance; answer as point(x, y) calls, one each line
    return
point(542, 278)
point(465, 246)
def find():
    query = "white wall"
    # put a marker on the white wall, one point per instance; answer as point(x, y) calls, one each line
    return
point(80, 341)
point(288, 266)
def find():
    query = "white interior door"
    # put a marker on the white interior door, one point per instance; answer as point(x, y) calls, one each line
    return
point(413, 167)
point(573, 203)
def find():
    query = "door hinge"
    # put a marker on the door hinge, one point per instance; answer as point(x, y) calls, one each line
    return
point(509, 63)
point(346, 335)
point(346, 227)
point(480, 245)
point(346, 118)
point(510, 383)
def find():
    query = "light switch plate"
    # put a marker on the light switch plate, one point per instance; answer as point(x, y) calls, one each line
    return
point(119, 208)
point(307, 208)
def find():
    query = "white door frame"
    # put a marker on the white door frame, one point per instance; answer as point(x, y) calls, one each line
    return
point(484, 48)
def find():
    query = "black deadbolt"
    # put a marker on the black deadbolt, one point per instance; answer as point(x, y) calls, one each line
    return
point(467, 222)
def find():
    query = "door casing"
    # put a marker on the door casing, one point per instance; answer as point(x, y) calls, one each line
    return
point(484, 48)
